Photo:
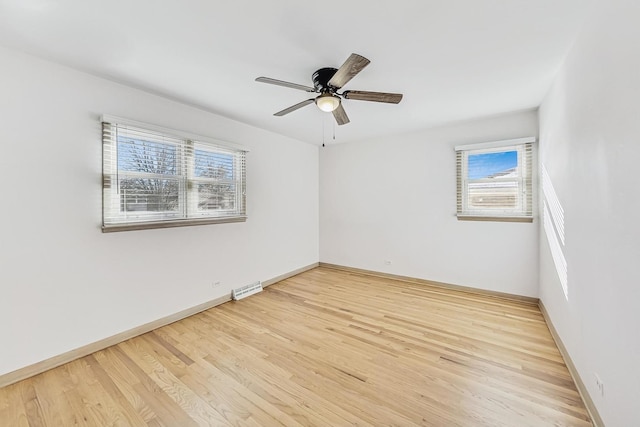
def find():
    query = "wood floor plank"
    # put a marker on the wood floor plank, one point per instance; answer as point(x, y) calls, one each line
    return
point(31, 404)
point(323, 348)
point(197, 409)
point(14, 413)
point(124, 380)
point(165, 408)
point(50, 388)
point(127, 412)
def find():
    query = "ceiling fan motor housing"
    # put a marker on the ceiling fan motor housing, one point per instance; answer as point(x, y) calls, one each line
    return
point(321, 79)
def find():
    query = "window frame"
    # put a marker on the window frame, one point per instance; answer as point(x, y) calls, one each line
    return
point(523, 212)
point(188, 212)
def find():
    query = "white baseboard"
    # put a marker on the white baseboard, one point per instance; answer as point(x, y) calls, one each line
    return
point(582, 389)
point(289, 274)
point(504, 295)
point(69, 356)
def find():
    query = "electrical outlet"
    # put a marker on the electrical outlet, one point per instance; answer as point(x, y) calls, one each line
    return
point(387, 262)
point(599, 384)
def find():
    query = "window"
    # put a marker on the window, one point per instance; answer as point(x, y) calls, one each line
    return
point(494, 181)
point(154, 178)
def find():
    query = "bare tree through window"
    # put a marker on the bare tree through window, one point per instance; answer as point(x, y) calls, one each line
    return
point(214, 179)
point(148, 181)
point(153, 178)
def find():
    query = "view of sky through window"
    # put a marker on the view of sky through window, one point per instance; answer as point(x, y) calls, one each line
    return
point(487, 165)
point(138, 155)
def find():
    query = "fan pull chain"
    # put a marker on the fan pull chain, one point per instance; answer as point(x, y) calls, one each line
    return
point(323, 132)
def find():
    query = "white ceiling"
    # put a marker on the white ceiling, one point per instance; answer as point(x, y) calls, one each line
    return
point(452, 59)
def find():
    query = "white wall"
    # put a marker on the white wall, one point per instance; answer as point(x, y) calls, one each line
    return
point(590, 144)
point(395, 199)
point(63, 283)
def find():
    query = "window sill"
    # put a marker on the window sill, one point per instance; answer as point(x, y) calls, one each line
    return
point(169, 224)
point(495, 218)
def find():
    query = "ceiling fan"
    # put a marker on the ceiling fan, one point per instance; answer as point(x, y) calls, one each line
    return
point(327, 82)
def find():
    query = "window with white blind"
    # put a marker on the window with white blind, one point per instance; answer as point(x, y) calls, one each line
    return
point(494, 180)
point(155, 178)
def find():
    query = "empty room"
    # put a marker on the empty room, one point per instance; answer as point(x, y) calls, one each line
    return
point(263, 213)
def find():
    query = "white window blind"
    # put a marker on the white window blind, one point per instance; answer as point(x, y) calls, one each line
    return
point(494, 180)
point(154, 179)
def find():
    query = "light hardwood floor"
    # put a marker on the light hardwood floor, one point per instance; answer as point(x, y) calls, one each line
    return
point(324, 348)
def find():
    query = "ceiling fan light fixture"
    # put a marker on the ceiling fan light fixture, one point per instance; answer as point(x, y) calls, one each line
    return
point(328, 102)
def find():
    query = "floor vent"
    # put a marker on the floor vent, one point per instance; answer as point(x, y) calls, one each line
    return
point(245, 291)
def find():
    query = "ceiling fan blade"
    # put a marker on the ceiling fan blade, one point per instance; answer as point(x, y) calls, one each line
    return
point(294, 107)
point(340, 115)
point(363, 95)
point(352, 66)
point(285, 84)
